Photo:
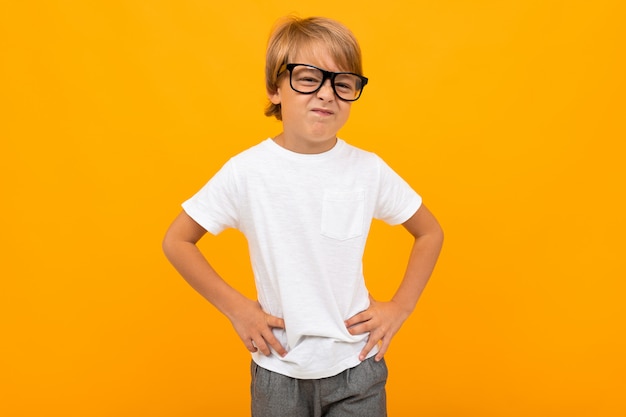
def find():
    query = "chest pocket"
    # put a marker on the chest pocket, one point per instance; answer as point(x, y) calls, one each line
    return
point(342, 214)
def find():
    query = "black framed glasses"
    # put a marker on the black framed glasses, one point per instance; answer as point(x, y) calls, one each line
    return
point(308, 79)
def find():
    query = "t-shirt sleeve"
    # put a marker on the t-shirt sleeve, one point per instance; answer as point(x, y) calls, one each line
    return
point(397, 201)
point(214, 206)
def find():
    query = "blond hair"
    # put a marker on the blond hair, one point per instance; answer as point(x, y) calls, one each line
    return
point(293, 34)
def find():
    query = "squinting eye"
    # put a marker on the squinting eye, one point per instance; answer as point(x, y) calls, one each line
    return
point(344, 86)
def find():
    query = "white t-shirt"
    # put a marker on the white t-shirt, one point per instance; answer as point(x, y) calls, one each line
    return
point(306, 218)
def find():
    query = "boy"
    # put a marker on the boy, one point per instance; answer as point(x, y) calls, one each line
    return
point(305, 200)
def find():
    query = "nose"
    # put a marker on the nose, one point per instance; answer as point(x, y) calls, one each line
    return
point(326, 91)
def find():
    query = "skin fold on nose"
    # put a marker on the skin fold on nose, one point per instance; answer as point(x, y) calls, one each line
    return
point(326, 90)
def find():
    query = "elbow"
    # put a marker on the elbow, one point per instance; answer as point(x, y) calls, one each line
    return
point(437, 233)
point(439, 236)
point(435, 236)
point(167, 245)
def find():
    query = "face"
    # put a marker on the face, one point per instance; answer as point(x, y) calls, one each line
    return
point(310, 121)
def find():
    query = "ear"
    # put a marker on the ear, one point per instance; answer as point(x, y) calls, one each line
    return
point(274, 96)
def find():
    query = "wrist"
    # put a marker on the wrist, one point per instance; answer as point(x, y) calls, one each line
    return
point(405, 308)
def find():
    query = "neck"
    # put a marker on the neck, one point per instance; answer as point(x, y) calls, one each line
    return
point(305, 147)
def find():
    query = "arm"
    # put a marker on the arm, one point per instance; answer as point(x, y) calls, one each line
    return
point(251, 323)
point(383, 319)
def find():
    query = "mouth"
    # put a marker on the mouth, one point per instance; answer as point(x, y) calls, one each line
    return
point(322, 112)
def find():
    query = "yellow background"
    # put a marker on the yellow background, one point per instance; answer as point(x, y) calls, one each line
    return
point(507, 116)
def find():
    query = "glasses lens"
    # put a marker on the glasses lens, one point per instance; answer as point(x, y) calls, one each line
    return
point(348, 86)
point(306, 79)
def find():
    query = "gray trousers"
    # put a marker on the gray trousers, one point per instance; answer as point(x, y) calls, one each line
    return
point(356, 392)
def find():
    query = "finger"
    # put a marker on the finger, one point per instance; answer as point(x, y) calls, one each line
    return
point(275, 344)
point(262, 346)
point(383, 349)
point(360, 328)
point(368, 347)
point(358, 318)
point(250, 345)
point(274, 321)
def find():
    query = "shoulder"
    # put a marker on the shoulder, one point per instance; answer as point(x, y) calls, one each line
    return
point(359, 154)
point(369, 165)
point(367, 161)
point(253, 151)
point(256, 154)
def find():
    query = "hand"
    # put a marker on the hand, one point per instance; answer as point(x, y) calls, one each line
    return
point(382, 320)
point(254, 327)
